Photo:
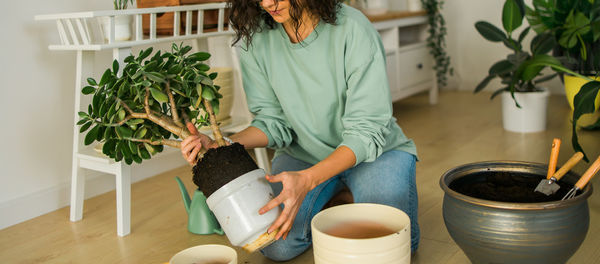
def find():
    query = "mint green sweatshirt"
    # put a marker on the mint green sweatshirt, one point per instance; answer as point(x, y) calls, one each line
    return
point(331, 90)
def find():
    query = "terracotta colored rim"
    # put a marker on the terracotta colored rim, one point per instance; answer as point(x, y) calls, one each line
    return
point(513, 166)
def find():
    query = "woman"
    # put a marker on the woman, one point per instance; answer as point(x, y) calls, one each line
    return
point(315, 79)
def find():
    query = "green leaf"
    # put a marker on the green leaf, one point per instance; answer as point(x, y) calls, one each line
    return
point(83, 115)
point(91, 81)
point(144, 54)
point(208, 94)
point(115, 66)
point(150, 148)
point(91, 135)
point(484, 83)
point(136, 121)
point(140, 133)
point(201, 56)
point(502, 67)
point(213, 75)
point(133, 146)
point(158, 95)
point(88, 90)
point(155, 76)
point(542, 44)
point(123, 88)
point(512, 18)
point(125, 150)
point(82, 121)
point(85, 126)
point(144, 153)
point(185, 50)
point(594, 126)
point(584, 101)
point(137, 159)
point(124, 132)
point(105, 77)
point(490, 32)
point(109, 147)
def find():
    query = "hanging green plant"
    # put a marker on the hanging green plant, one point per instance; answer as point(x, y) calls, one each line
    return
point(436, 41)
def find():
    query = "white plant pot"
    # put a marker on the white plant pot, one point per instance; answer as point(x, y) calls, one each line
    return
point(531, 117)
point(122, 28)
point(236, 206)
point(392, 248)
point(375, 7)
point(414, 5)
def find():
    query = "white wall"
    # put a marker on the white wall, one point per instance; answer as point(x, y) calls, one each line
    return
point(471, 55)
point(36, 109)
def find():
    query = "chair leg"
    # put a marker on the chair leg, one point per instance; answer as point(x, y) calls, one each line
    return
point(123, 186)
point(77, 191)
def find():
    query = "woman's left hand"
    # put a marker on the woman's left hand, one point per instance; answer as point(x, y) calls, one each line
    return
point(296, 184)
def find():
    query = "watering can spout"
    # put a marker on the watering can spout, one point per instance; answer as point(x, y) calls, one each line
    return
point(184, 194)
point(200, 219)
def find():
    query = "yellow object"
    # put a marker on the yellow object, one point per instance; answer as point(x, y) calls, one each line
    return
point(572, 86)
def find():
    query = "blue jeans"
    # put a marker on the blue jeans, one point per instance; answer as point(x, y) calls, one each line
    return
point(389, 180)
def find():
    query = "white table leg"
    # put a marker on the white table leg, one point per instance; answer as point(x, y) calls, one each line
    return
point(123, 186)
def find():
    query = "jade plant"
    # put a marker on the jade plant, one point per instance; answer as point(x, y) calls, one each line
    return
point(136, 113)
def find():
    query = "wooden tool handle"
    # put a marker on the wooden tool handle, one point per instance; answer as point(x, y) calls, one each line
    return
point(553, 158)
point(568, 165)
point(589, 173)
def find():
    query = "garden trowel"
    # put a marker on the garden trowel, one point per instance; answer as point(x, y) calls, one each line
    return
point(549, 186)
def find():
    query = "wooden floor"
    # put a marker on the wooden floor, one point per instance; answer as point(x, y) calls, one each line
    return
point(462, 128)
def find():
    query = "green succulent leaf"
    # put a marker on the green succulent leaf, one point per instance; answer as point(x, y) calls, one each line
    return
point(115, 66)
point(208, 94)
point(85, 126)
point(105, 77)
point(92, 82)
point(201, 56)
point(158, 95)
point(91, 135)
point(88, 90)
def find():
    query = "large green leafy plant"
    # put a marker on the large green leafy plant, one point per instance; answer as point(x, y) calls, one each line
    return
point(575, 25)
point(147, 106)
point(508, 69)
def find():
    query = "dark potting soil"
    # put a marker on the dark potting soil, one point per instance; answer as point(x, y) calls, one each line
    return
point(507, 187)
point(221, 165)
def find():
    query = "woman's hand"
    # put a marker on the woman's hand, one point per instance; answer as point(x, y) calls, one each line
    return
point(191, 146)
point(296, 184)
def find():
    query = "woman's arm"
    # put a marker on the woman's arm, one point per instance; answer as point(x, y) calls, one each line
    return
point(296, 184)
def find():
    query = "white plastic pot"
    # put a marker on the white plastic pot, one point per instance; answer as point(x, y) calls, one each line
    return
point(393, 248)
point(531, 117)
point(122, 28)
point(236, 206)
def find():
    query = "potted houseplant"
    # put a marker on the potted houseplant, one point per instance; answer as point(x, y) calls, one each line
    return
point(122, 22)
point(575, 25)
point(524, 102)
point(436, 41)
point(151, 104)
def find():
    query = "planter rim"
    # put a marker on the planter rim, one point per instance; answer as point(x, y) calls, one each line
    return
point(587, 191)
point(544, 91)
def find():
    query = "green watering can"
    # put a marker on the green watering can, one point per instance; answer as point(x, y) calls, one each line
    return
point(200, 219)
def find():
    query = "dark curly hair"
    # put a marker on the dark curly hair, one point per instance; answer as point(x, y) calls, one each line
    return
point(245, 16)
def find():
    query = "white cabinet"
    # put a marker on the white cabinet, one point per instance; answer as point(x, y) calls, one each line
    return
point(409, 64)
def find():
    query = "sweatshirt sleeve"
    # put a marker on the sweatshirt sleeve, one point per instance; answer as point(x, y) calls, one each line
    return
point(263, 103)
point(368, 107)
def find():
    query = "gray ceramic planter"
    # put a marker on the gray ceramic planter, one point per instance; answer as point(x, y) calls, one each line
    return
point(500, 232)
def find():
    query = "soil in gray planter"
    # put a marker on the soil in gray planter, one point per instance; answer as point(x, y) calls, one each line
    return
point(506, 187)
point(221, 165)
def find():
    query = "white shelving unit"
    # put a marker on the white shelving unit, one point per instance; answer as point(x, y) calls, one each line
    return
point(80, 32)
point(409, 64)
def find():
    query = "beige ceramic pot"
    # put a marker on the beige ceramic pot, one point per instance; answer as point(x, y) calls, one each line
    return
point(394, 247)
point(206, 254)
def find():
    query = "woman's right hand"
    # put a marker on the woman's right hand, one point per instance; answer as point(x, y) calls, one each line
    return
point(191, 146)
